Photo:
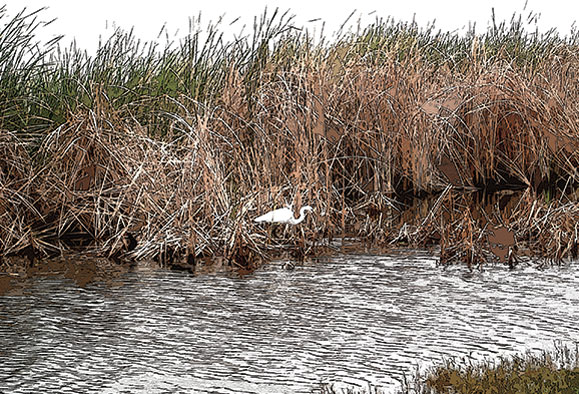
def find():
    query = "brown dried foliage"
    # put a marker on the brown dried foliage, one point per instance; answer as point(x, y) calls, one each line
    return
point(358, 140)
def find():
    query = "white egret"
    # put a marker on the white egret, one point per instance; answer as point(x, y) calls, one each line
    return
point(283, 215)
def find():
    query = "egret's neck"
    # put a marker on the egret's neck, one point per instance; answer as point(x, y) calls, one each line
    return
point(301, 218)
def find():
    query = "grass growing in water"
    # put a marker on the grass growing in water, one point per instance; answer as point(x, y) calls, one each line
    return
point(554, 371)
point(396, 134)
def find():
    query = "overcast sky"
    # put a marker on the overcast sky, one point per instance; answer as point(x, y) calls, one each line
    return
point(86, 20)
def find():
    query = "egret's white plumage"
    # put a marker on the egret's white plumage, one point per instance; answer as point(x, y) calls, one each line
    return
point(284, 215)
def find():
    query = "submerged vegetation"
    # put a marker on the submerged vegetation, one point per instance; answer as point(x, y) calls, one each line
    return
point(394, 133)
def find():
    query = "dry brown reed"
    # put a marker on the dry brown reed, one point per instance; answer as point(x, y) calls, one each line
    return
point(387, 144)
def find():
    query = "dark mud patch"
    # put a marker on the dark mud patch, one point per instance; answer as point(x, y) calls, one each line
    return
point(5, 284)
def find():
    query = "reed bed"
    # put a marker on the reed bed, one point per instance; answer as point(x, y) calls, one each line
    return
point(395, 134)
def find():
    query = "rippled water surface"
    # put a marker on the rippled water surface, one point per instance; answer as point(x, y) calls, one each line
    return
point(363, 320)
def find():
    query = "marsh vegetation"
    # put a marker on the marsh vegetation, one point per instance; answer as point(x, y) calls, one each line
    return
point(396, 134)
point(553, 371)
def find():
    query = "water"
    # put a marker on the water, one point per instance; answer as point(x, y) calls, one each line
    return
point(357, 320)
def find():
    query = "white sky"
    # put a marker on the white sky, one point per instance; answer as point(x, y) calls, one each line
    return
point(86, 20)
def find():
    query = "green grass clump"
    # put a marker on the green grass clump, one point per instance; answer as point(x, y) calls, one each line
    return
point(549, 372)
point(555, 371)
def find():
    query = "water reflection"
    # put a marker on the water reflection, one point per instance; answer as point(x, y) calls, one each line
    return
point(361, 320)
